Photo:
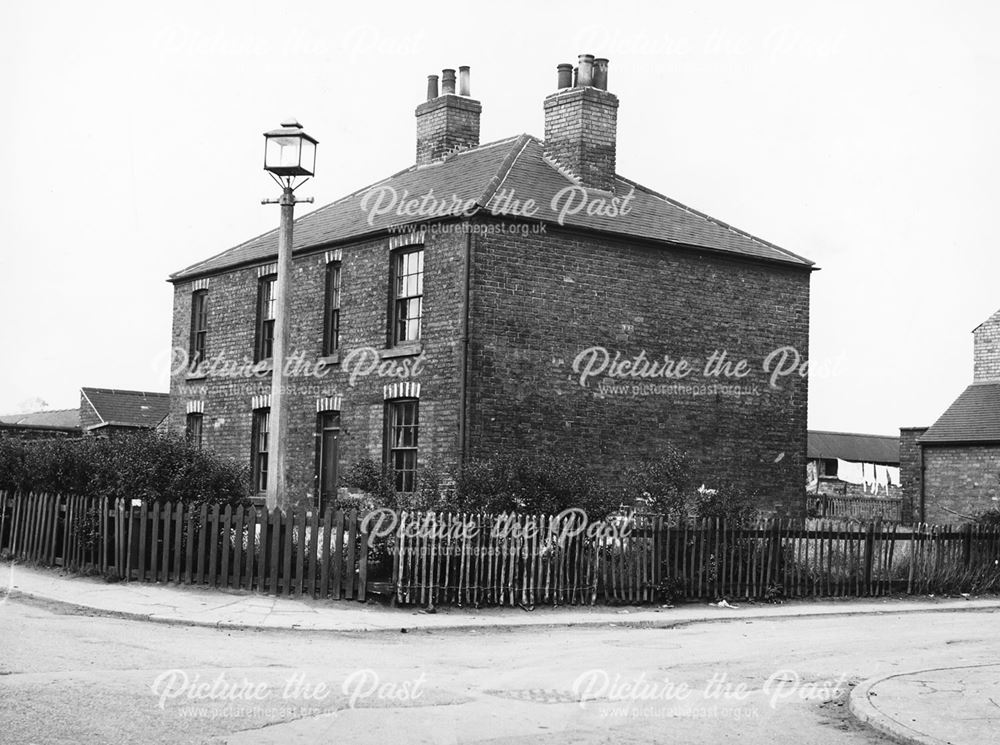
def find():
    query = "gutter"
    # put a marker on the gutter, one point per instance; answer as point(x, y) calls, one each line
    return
point(922, 483)
point(41, 428)
point(463, 380)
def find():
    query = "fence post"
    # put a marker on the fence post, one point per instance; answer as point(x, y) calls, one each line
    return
point(869, 555)
point(967, 545)
point(773, 572)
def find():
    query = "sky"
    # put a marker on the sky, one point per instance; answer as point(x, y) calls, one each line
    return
point(861, 135)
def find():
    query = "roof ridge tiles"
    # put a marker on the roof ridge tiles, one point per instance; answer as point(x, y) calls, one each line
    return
point(503, 171)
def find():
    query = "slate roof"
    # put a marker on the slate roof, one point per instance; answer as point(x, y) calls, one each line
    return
point(127, 408)
point(54, 419)
point(973, 417)
point(853, 447)
point(483, 175)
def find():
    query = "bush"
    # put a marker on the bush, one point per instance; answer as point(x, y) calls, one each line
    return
point(372, 479)
point(731, 503)
point(542, 483)
point(990, 518)
point(435, 488)
point(141, 465)
point(662, 486)
point(548, 484)
point(502, 483)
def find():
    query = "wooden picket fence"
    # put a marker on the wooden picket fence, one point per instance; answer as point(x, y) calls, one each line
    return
point(479, 559)
point(888, 509)
point(442, 558)
point(301, 553)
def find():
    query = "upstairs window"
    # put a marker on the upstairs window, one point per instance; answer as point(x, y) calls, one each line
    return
point(331, 312)
point(266, 308)
point(407, 296)
point(192, 430)
point(402, 428)
point(259, 445)
point(199, 327)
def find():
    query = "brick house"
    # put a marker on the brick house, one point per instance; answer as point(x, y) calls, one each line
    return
point(102, 412)
point(515, 296)
point(951, 470)
point(106, 411)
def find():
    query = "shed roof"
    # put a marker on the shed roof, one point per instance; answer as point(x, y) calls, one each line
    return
point(55, 419)
point(854, 447)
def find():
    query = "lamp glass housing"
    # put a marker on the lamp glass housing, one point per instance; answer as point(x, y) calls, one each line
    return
point(288, 151)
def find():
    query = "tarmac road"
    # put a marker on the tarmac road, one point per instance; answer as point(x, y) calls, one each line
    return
point(69, 677)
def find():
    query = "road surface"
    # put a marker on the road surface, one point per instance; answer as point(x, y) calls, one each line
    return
point(70, 677)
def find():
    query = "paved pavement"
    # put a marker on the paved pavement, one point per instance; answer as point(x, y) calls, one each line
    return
point(959, 705)
point(204, 606)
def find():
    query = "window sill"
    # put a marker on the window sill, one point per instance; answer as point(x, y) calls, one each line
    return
point(263, 366)
point(409, 349)
point(330, 359)
point(196, 376)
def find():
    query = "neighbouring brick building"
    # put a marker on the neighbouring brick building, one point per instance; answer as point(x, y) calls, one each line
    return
point(105, 411)
point(533, 310)
point(102, 412)
point(951, 471)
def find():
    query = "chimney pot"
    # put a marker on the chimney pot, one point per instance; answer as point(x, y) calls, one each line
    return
point(601, 73)
point(463, 80)
point(564, 74)
point(447, 82)
point(585, 70)
point(432, 87)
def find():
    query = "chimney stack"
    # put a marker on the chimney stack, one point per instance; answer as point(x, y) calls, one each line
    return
point(581, 122)
point(448, 122)
point(986, 354)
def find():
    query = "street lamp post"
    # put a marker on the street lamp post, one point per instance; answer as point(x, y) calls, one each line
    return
point(289, 153)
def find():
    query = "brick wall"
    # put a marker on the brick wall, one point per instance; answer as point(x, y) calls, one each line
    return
point(909, 470)
point(961, 480)
point(364, 302)
point(986, 354)
point(538, 301)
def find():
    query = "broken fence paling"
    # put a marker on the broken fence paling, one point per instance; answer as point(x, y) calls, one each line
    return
point(243, 547)
point(860, 508)
point(477, 559)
